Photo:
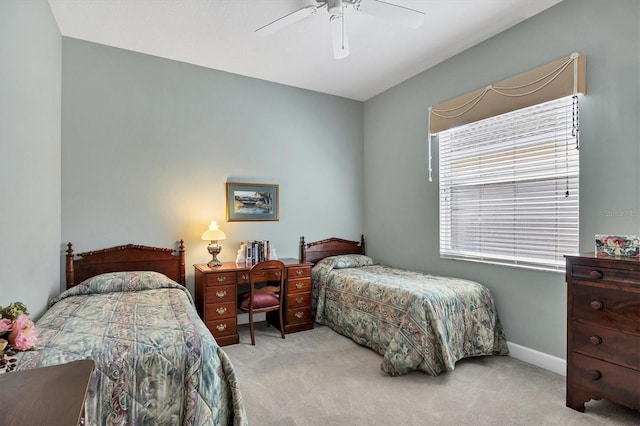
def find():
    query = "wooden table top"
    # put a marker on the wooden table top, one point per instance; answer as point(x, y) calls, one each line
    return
point(45, 396)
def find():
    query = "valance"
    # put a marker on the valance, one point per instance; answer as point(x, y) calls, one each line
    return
point(557, 79)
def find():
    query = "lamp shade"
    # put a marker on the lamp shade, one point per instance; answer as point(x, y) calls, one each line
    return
point(214, 233)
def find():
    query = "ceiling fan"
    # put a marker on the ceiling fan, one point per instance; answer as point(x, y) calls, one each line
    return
point(392, 12)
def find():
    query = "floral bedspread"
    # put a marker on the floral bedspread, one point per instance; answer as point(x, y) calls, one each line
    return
point(156, 362)
point(415, 320)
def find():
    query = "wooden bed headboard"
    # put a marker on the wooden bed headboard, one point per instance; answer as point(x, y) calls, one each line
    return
point(315, 251)
point(129, 257)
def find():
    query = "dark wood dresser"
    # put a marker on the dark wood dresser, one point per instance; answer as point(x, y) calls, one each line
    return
point(216, 298)
point(603, 330)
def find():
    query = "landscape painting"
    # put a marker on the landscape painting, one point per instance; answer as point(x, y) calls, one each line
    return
point(252, 201)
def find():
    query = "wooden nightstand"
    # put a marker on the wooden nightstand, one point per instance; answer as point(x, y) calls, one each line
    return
point(46, 396)
point(217, 298)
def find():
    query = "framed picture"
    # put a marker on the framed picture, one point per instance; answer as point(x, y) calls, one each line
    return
point(252, 201)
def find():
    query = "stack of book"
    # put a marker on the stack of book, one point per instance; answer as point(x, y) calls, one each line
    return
point(255, 251)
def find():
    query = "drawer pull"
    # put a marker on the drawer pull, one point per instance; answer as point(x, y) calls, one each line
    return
point(278, 274)
point(596, 305)
point(595, 340)
point(221, 293)
point(245, 277)
point(595, 375)
point(299, 299)
point(299, 314)
point(596, 275)
point(221, 327)
point(299, 272)
point(221, 310)
point(299, 285)
point(222, 279)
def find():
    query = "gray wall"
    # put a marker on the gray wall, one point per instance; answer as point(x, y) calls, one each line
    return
point(149, 143)
point(30, 98)
point(401, 206)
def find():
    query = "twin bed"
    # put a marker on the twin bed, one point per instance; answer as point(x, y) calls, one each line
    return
point(126, 308)
point(416, 321)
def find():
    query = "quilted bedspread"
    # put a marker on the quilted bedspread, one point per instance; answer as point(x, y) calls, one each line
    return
point(156, 362)
point(415, 320)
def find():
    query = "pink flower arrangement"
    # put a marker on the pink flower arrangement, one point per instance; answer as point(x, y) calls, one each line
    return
point(16, 328)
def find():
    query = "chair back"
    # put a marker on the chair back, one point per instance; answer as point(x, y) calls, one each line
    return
point(267, 277)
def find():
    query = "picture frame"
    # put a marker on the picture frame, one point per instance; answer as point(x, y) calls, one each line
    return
point(252, 202)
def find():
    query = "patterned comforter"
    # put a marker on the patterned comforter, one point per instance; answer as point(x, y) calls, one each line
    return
point(415, 320)
point(156, 362)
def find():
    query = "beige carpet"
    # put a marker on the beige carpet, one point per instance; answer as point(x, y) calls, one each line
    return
point(319, 377)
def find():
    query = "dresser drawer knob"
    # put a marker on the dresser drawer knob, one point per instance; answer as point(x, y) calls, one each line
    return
point(278, 274)
point(595, 340)
point(221, 310)
point(299, 285)
point(299, 299)
point(596, 305)
point(595, 375)
point(299, 314)
point(299, 272)
point(221, 293)
point(222, 279)
point(245, 277)
point(221, 327)
point(596, 275)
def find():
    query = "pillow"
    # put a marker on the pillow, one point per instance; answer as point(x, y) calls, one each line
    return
point(351, 261)
point(261, 300)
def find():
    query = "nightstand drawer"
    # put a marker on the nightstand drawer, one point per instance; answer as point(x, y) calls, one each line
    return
point(220, 310)
point(298, 285)
point(298, 272)
point(220, 294)
point(223, 327)
point(298, 300)
point(300, 315)
point(220, 279)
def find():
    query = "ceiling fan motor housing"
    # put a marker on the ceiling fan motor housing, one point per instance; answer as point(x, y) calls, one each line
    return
point(334, 7)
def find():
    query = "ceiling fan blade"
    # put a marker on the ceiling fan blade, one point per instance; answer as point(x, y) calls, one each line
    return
point(339, 37)
point(392, 12)
point(286, 20)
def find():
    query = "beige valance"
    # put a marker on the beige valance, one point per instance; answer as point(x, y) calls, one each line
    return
point(554, 80)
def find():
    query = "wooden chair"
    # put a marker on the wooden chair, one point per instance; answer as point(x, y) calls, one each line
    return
point(266, 292)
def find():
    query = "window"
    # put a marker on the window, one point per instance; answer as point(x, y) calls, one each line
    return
point(509, 187)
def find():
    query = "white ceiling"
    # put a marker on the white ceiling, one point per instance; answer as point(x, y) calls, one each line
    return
point(219, 34)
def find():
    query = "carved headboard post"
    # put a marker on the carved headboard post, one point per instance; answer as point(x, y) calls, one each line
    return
point(362, 243)
point(302, 250)
point(183, 278)
point(70, 271)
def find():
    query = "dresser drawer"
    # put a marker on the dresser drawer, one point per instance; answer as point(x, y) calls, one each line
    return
point(220, 310)
point(223, 327)
point(225, 293)
point(596, 273)
point(299, 315)
point(607, 344)
point(298, 272)
point(225, 278)
point(602, 380)
point(298, 300)
point(298, 285)
point(608, 307)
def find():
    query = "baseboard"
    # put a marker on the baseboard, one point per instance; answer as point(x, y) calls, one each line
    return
point(537, 358)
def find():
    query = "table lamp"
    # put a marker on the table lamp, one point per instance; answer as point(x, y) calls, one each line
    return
point(214, 234)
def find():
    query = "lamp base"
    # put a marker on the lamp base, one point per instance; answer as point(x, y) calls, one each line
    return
point(214, 251)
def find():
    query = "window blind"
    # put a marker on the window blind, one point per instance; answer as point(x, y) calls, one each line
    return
point(509, 187)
